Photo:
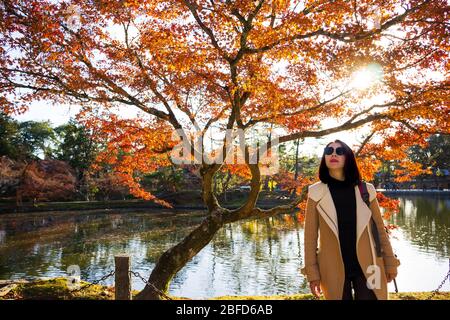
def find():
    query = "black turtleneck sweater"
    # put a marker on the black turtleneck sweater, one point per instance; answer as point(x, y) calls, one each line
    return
point(343, 194)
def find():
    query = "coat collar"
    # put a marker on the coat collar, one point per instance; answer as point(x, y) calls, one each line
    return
point(327, 210)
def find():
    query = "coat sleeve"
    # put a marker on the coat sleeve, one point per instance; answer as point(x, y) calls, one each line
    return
point(390, 261)
point(311, 232)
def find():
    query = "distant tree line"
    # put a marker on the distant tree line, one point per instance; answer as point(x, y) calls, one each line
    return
point(39, 162)
point(435, 157)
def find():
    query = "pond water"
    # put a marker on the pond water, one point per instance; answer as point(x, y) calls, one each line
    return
point(258, 257)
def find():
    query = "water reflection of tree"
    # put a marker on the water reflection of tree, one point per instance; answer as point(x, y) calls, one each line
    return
point(425, 222)
point(43, 244)
point(255, 256)
point(266, 258)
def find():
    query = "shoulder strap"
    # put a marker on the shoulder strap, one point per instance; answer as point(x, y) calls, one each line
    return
point(376, 237)
point(364, 192)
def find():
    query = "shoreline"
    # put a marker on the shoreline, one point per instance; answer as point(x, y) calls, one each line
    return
point(56, 289)
point(123, 205)
point(266, 201)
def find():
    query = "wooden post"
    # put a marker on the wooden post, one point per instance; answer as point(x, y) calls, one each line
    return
point(122, 277)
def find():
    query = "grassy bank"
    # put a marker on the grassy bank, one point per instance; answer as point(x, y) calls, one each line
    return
point(56, 289)
point(183, 200)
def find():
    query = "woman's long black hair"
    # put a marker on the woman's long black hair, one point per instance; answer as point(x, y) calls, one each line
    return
point(351, 171)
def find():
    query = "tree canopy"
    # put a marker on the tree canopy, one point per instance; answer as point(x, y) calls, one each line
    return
point(142, 69)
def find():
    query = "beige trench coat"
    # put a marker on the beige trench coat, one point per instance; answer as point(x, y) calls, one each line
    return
point(323, 259)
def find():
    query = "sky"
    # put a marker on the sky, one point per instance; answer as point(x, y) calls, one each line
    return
point(41, 111)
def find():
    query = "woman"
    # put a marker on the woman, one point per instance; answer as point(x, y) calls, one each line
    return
point(345, 256)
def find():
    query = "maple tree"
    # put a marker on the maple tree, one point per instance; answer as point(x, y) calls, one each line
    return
point(47, 180)
point(37, 180)
point(105, 186)
point(141, 69)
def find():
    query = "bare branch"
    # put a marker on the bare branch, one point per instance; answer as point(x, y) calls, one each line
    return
point(366, 140)
point(193, 8)
point(417, 61)
point(345, 126)
point(259, 213)
point(343, 37)
point(252, 122)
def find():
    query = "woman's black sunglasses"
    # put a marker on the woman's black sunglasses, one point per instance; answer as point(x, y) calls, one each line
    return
point(339, 151)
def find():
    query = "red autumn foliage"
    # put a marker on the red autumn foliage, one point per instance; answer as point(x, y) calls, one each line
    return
point(47, 180)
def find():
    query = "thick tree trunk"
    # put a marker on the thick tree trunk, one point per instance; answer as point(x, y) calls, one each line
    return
point(176, 258)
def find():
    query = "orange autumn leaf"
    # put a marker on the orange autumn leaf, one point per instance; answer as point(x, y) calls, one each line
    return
point(142, 69)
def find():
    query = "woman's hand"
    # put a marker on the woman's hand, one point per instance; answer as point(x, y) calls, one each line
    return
point(390, 276)
point(315, 288)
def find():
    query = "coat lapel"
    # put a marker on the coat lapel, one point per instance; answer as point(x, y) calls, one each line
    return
point(327, 210)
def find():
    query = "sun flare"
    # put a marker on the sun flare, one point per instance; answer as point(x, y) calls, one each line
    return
point(366, 77)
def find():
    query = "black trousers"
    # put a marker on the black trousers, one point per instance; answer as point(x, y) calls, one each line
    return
point(358, 283)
